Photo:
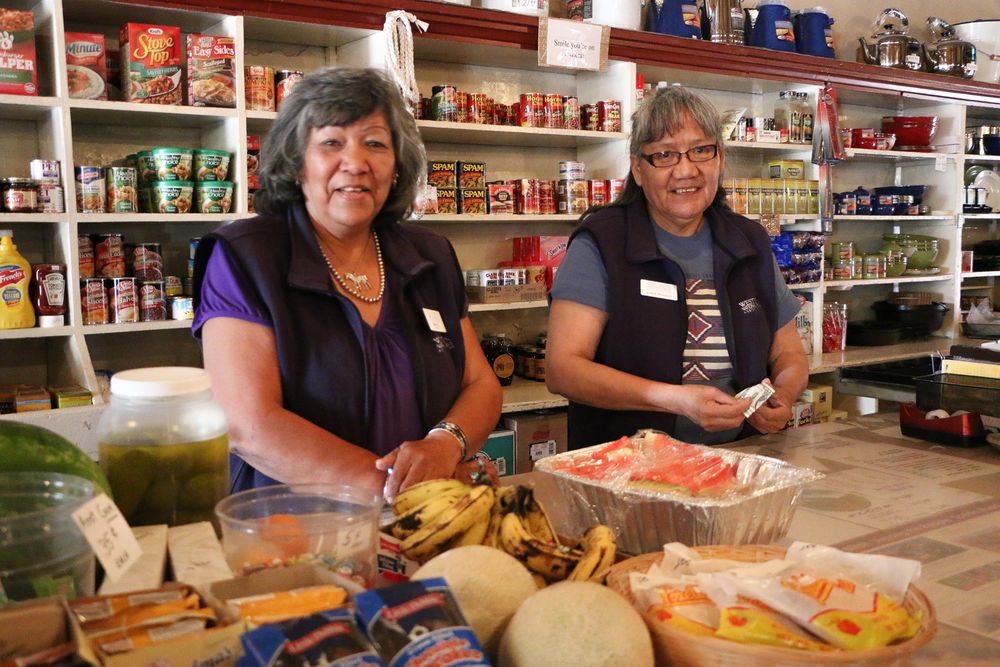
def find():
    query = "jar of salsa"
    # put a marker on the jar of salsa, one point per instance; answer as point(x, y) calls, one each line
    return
point(48, 293)
point(20, 195)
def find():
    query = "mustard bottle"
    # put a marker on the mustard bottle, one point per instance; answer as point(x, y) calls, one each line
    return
point(16, 311)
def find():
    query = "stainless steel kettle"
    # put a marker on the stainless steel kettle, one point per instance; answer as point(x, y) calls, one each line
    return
point(723, 21)
point(892, 47)
point(947, 54)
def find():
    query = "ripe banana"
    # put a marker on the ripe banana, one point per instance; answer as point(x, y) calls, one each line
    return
point(475, 533)
point(535, 518)
point(548, 559)
point(438, 535)
point(409, 522)
point(505, 497)
point(598, 553)
point(420, 493)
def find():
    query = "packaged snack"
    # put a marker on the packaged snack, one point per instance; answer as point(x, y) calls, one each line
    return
point(330, 637)
point(284, 605)
point(150, 58)
point(86, 66)
point(211, 71)
point(418, 622)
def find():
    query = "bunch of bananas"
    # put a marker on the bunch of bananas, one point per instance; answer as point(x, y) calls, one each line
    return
point(437, 515)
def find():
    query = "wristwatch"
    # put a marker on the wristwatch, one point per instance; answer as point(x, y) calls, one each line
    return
point(458, 433)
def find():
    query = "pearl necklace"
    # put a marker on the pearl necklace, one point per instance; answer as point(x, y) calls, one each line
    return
point(359, 279)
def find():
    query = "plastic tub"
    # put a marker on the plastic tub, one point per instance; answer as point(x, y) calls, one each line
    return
point(271, 526)
point(172, 164)
point(213, 196)
point(210, 164)
point(171, 196)
point(42, 552)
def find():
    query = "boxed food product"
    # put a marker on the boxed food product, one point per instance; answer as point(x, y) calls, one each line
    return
point(639, 500)
point(501, 198)
point(150, 57)
point(537, 435)
point(35, 628)
point(86, 66)
point(821, 398)
point(803, 323)
point(211, 71)
point(18, 74)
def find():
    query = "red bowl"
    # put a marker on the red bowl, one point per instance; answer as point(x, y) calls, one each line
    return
point(863, 142)
point(912, 136)
point(909, 120)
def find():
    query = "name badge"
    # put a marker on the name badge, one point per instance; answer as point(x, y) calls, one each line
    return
point(658, 290)
point(434, 321)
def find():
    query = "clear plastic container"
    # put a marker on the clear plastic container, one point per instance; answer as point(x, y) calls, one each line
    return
point(42, 552)
point(164, 446)
point(334, 525)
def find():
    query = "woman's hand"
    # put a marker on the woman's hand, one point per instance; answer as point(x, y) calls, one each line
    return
point(434, 457)
point(710, 407)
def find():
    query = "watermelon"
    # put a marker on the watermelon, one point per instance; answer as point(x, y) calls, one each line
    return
point(26, 447)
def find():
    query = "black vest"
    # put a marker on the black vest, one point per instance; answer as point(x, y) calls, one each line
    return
point(645, 336)
point(321, 362)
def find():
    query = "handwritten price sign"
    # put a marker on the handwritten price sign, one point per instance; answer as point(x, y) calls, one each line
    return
point(572, 44)
point(109, 535)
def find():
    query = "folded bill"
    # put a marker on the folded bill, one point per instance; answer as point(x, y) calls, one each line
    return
point(758, 395)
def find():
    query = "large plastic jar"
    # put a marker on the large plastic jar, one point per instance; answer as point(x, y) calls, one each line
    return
point(164, 446)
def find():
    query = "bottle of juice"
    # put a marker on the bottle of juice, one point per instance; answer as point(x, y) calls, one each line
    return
point(16, 310)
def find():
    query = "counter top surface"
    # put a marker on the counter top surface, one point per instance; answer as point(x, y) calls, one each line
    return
point(889, 494)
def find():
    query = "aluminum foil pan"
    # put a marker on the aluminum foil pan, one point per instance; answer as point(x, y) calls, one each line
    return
point(644, 520)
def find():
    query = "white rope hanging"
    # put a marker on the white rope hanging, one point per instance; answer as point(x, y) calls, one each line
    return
point(399, 52)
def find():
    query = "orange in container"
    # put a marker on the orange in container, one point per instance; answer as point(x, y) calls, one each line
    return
point(285, 531)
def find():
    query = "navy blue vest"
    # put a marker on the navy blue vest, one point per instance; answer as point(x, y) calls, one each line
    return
point(645, 336)
point(321, 362)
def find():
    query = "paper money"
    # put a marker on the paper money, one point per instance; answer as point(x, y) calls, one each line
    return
point(758, 395)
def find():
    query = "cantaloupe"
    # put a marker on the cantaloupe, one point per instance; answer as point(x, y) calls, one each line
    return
point(576, 624)
point(488, 584)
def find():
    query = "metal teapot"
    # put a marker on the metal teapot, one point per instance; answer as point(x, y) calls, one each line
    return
point(892, 47)
point(948, 54)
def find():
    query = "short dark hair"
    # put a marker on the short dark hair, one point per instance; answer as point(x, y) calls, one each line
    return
point(339, 96)
point(665, 113)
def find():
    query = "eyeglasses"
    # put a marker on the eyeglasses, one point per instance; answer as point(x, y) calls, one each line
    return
point(670, 158)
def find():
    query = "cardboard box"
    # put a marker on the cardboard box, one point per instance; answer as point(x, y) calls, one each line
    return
point(150, 61)
point(196, 556)
point(821, 398)
point(505, 293)
point(211, 71)
point(33, 626)
point(86, 66)
point(802, 414)
point(18, 63)
point(393, 566)
point(500, 447)
point(148, 571)
point(537, 434)
point(803, 323)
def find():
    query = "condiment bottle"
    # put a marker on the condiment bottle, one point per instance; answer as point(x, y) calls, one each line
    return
point(48, 292)
point(16, 310)
point(502, 360)
point(163, 443)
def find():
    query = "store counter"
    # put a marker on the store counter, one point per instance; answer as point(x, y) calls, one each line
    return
point(886, 493)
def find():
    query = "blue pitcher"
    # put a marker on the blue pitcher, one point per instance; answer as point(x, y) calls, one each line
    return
point(773, 27)
point(674, 17)
point(814, 32)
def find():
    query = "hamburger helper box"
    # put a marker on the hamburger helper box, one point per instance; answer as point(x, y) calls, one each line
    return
point(18, 75)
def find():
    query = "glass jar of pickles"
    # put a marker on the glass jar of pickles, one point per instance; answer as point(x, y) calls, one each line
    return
point(164, 446)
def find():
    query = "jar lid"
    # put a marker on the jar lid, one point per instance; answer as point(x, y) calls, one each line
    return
point(16, 182)
point(161, 382)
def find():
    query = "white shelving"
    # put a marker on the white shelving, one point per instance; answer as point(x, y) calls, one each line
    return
point(513, 305)
point(165, 325)
point(523, 394)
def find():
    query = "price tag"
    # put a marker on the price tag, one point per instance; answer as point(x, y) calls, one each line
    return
point(940, 162)
point(109, 535)
point(572, 44)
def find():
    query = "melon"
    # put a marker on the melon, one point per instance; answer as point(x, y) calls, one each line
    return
point(576, 624)
point(488, 584)
point(26, 447)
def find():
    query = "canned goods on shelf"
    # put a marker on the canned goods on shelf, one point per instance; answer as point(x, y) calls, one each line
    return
point(259, 87)
point(20, 195)
point(51, 198)
point(123, 194)
point(553, 111)
point(443, 103)
point(181, 308)
point(571, 113)
point(122, 302)
point(609, 116)
point(152, 301)
point(145, 262)
point(91, 189)
point(109, 255)
point(284, 82)
point(173, 286)
point(93, 301)
point(86, 256)
point(45, 170)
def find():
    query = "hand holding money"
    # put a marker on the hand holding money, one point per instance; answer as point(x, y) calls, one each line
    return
point(758, 395)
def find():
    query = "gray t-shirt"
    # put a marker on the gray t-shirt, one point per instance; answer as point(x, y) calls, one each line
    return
point(582, 278)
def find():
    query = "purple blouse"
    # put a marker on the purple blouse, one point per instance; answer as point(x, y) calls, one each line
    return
point(392, 398)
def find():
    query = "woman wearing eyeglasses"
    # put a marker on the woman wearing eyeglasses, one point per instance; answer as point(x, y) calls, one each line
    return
point(667, 303)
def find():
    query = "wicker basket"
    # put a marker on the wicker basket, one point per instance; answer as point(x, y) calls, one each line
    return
point(676, 647)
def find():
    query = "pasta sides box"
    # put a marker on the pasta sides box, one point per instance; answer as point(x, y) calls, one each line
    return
point(150, 61)
point(211, 71)
point(18, 75)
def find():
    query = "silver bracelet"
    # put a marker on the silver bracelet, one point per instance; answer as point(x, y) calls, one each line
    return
point(458, 433)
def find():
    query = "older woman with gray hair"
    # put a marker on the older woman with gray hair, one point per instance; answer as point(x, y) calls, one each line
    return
point(338, 339)
point(667, 303)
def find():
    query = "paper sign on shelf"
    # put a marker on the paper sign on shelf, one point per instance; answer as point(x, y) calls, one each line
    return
point(572, 44)
point(109, 535)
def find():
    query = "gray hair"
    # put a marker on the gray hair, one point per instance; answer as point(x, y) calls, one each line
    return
point(665, 113)
point(339, 96)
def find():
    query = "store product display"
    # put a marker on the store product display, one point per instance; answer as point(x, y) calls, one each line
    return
point(18, 62)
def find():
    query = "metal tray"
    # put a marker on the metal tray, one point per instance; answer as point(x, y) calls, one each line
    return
point(990, 331)
point(643, 521)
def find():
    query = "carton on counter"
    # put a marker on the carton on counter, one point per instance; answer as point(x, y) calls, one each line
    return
point(537, 434)
point(150, 61)
point(18, 63)
point(86, 66)
point(33, 626)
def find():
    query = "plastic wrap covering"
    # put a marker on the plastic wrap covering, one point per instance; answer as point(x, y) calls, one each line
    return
point(652, 489)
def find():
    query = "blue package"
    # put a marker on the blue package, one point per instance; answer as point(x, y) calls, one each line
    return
point(419, 622)
point(330, 638)
point(781, 246)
